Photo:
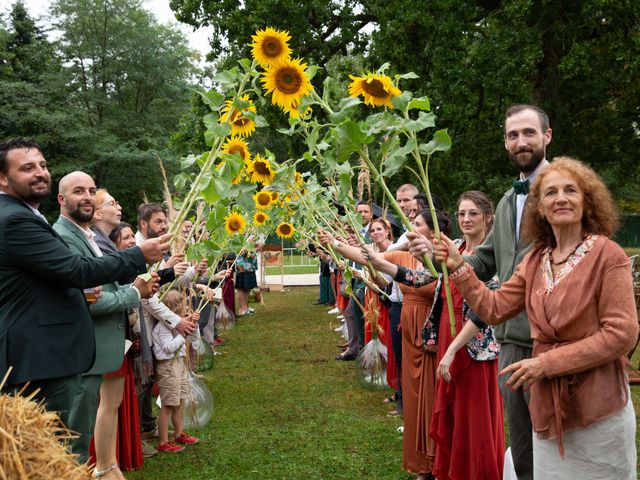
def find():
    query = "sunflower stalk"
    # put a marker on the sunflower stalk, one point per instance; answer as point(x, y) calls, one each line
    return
point(424, 180)
point(405, 221)
point(214, 154)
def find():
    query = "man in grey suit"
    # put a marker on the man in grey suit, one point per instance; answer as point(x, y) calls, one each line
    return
point(46, 330)
point(76, 197)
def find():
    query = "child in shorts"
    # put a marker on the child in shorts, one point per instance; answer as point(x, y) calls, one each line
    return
point(172, 372)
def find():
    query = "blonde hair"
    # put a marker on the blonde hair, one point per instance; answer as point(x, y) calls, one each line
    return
point(176, 302)
point(101, 194)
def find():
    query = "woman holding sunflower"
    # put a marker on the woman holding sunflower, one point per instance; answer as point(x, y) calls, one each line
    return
point(418, 376)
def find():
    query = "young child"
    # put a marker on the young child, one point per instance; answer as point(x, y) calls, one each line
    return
point(172, 371)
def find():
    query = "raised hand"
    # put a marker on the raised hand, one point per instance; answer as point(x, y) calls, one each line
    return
point(447, 251)
point(180, 268)
point(419, 245)
point(147, 287)
point(154, 249)
point(325, 237)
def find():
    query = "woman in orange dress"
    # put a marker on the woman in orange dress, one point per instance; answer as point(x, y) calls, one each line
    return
point(418, 359)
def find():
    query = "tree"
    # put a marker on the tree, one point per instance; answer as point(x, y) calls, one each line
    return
point(579, 60)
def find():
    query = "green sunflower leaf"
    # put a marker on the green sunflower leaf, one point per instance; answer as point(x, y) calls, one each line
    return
point(425, 120)
point(212, 98)
point(421, 103)
point(351, 138)
point(402, 101)
point(407, 76)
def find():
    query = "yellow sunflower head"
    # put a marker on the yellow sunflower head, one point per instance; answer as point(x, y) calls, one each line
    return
point(295, 112)
point(237, 145)
point(240, 125)
point(377, 90)
point(299, 180)
point(260, 170)
point(274, 197)
point(288, 82)
point(262, 199)
point(285, 230)
point(234, 223)
point(270, 46)
point(260, 218)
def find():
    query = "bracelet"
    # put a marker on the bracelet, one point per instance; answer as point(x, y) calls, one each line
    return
point(460, 270)
point(336, 243)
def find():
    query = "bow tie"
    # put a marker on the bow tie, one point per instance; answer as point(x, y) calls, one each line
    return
point(521, 187)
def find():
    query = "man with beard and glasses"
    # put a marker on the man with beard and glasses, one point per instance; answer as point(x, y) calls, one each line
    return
point(76, 196)
point(46, 330)
point(526, 136)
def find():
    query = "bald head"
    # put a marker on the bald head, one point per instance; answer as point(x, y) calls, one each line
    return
point(76, 196)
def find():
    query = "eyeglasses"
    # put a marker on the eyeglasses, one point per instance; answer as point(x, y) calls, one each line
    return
point(113, 203)
point(472, 214)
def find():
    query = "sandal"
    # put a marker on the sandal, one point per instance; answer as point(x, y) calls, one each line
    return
point(103, 473)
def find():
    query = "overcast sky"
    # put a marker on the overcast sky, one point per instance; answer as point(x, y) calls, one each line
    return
point(198, 40)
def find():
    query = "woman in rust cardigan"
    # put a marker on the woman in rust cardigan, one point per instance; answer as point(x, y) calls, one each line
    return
point(576, 287)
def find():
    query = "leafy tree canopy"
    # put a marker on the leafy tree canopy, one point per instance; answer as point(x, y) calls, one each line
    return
point(579, 60)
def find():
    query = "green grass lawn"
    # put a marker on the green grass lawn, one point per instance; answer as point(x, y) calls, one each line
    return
point(284, 408)
point(293, 270)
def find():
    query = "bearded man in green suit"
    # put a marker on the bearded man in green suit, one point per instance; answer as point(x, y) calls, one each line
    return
point(76, 196)
point(46, 330)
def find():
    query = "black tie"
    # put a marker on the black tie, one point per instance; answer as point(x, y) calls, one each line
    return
point(521, 187)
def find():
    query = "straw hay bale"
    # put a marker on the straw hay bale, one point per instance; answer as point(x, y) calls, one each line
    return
point(33, 443)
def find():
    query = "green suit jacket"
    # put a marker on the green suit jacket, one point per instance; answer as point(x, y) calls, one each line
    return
point(46, 330)
point(109, 312)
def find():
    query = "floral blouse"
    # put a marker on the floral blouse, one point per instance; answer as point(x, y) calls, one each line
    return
point(483, 346)
point(547, 272)
point(247, 262)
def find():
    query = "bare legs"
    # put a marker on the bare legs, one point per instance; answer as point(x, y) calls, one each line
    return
point(243, 300)
point(106, 429)
point(166, 412)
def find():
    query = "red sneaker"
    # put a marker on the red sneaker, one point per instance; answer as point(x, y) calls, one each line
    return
point(169, 447)
point(218, 342)
point(185, 439)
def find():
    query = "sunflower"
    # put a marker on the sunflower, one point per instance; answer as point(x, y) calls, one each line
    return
point(295, 112)
point(288, 82)
point(260, 218)
point(285, 230)
point(237, 145)
point(234, 223)
point(377, 90)
point(274, 197)
point(270, 46)
point(259, 170)
point(299, 180)
point(240, 125)
point(262, 199)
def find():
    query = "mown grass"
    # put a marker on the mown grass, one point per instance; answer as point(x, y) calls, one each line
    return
point(293, 270)
point(284, 408)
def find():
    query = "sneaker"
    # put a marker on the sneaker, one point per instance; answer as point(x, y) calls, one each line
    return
point(186, 439)
point(147, 450)
point(218, 342)
point(169, 447)
point(334, 311)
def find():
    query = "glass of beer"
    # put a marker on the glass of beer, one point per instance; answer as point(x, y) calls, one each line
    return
point(90, 295)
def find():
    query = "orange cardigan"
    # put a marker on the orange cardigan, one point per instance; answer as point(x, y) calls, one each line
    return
point(581, 332)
